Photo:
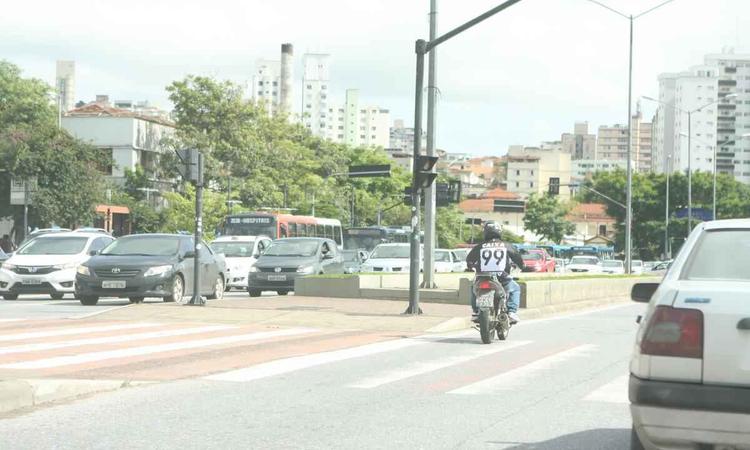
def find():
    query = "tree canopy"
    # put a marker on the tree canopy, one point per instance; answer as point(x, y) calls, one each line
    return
point(545, 216)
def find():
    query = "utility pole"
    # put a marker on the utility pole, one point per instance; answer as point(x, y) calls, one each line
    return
point(428, 280)
point(629, 193)
point(25, 208)
point(690, 173)
point(197, 299)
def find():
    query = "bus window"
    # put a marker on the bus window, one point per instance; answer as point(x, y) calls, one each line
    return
point(283, 231)
point(320, 231)
point(292, 229)
point(309, 230)
point(329, 231)
point(337, 234)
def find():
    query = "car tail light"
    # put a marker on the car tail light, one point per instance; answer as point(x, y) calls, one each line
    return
point(485, 284)
point(674, 332)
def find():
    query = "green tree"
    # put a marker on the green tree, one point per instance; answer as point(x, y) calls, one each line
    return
point(180, 214)
point(545, 216)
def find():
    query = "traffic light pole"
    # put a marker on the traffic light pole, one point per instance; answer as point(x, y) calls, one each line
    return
point(430, 206)
point(196, 298)
point(422, 47)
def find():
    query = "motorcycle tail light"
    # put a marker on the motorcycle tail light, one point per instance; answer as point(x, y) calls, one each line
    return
point(485, 285)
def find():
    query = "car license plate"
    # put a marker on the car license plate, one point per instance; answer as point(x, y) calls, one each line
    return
point(34, 281)
point(113, 284)
point(486, 300)
point(277, 278)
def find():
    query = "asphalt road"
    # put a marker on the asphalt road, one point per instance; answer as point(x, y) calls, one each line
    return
point(557, 383)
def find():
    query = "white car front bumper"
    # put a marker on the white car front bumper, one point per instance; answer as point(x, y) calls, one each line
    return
point(61, 281)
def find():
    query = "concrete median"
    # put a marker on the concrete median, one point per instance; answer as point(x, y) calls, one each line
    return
point(20, 394)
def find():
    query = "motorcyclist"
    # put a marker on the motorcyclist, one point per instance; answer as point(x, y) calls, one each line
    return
point(493, 239)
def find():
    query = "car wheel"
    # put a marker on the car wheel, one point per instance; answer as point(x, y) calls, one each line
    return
point(282, 292)
point(218, 293)
point(89, 300)
point(178, 290)
point(136, 299)
point(10, 296)
point(57, 296)
point(635, 441)
point(254, 292)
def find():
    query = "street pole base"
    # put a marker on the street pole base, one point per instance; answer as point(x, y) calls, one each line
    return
point(424, 285)
point(196, 301)
point(410, 311)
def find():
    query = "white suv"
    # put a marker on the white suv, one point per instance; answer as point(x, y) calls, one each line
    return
point(47, 264)
point(690, 371)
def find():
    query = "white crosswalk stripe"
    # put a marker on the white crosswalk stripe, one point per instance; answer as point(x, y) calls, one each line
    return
point(151, 349)
point(422, 368)
point(614, 392)
point(41, 346)
point(515, 378)
point(68, 331)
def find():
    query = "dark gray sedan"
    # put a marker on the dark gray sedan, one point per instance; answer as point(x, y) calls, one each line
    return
point(287, 259)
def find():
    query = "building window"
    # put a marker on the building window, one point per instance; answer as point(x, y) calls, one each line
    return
point(602, 230)
point(518, 173)
point(531, 184)
point(532, 172)
point(517, 184)
point(309, 86)
point(275, 83)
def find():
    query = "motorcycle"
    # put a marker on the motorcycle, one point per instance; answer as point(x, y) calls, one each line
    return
point(492, 306)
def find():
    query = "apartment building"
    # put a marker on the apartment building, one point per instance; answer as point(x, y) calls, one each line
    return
point(530, 170)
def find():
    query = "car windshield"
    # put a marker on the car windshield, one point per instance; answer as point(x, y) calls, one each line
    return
point(637, 263)
point(442, 256)
point(612, 264)
point(292, 248)
point(350, 255)
point(54, 245)
point(589, 260)
point(143, 246)
point(234, 249)
point(390, 251)
point(720, 255)
point(532, 256)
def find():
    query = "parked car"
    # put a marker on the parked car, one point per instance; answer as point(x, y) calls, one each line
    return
point(613, 266)
point(150, 265)
point(240, 253)
point(461, 254)
point(91, 230)
point(289, 258)
point(447, 261)
point(388, 258)
point(648, 265)
point(662, 266)
point(538, 261)
point(590, 264)
point(42, 232)
point(47, 264)
point(353, 260)
point(689, 372)
point(636, 267)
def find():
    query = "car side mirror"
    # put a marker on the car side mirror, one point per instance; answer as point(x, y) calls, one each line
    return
point(189, 254)
point(93, 252)
point(642, 292)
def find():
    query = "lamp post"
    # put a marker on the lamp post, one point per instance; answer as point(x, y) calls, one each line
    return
point(629, 193)
point(668, 171)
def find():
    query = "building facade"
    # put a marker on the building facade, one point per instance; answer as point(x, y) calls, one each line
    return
point(579, 144)
point(583, 169)
point(315, 86)
point(612, 143)
point(65, 83)
point(266, 84)
point(357, 125)
point(531, 169)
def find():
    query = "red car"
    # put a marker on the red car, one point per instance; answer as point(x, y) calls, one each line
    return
point(537, 260)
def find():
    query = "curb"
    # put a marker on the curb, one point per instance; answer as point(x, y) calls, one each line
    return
point(18, 394)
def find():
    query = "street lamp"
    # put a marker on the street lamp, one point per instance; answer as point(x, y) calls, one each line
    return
point(668, 171)
point(629, 194)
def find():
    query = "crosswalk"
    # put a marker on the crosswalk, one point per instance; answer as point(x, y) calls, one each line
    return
point(229, 353)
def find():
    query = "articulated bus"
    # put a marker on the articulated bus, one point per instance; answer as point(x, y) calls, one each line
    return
point(601, 252)
point(368, 237)
point(276, 226)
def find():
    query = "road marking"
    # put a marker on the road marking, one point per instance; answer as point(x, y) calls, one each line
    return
point(111, 339)
point(287, 365)
point(74, 330)
point(151, 349)
point(11, 320)
point(431, 366)
point(101, 311)
point(518, 377)
point(614, 392)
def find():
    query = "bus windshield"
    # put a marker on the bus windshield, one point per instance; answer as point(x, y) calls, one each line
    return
point(250, 226)
point(364, 238)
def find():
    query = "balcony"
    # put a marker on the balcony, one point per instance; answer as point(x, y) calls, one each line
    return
point(727, 106)
point(728, 82)
point(724, 155)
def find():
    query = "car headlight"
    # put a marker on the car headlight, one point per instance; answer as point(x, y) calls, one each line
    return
point(254, 269)
point(157, 271)
point(305, 269)
point(83, 270)
point(72, 265)
point(7, 266)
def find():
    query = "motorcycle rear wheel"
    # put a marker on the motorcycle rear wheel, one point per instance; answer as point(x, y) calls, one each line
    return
point(503, 328)
point(485, 331)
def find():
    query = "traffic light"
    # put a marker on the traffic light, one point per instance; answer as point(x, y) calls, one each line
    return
point(554, 186)
point(423, 171)
point(188, 164)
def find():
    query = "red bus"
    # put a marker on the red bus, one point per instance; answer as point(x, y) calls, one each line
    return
point(277, 225)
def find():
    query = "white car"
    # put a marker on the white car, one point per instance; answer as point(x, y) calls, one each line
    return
point(613, 266)
point(690, 369)
point(636, 267)
point(47, 264)
point(240, 253)
point(583, 264)
point(447, 261)
point(388, 258)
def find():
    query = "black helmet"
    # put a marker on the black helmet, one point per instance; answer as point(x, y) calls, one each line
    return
point(492, 231)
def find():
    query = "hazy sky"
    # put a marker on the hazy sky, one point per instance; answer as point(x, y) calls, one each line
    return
point(521, 77)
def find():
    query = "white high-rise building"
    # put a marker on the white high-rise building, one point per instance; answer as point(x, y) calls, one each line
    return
point(315, 85)
point(65, 83)
point(357, 125)
point(265, 86)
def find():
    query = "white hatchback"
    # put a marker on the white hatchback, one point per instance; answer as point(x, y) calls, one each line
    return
point(584, 264)
point(240, 253)
point(690, 370)
point(47, 264)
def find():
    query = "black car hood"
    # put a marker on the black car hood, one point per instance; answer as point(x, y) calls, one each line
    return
point(286, 261)
point(130, 261)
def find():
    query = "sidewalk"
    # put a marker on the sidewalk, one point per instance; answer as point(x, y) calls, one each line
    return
point(316, 312)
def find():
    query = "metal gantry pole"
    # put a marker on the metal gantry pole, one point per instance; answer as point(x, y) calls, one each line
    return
point(629, 193)
point(430, 201)
point(690, 172)
point(196, 298)
point(413, 308)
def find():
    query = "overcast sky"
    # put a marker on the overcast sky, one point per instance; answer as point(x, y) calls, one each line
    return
point(521, 77)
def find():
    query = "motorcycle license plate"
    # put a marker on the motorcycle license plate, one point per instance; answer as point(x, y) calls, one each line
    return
point(486, 300)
